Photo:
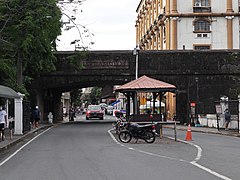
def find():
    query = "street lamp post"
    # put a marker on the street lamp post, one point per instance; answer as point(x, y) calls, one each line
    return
point(135, 53)
point(197, 99)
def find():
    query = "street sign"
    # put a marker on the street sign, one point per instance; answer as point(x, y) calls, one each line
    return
point(218, 109)
point(143, 101)
point(193, 104)
point(193, 108)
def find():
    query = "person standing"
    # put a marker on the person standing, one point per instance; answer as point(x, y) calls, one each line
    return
point(36, 117)
point(227, 117)
point(72, 114)
point(3, 122)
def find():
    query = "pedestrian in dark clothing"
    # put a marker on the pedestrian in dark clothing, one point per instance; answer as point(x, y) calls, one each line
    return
point(71, 114)
point(227, 117)
point(36, 117)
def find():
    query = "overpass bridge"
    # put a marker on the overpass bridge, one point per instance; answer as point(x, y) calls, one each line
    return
point(202, 76)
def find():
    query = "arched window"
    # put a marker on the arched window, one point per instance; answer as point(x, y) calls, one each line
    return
point(202, 26)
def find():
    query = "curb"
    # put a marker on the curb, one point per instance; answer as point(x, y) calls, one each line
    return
point(211, 132)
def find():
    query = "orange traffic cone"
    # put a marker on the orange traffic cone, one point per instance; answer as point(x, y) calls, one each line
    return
point(189, 134)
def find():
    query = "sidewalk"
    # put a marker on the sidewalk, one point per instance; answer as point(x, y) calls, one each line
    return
point(210, 130)
point(8, 143)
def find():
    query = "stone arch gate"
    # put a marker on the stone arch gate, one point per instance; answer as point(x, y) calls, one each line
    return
point(200, 76)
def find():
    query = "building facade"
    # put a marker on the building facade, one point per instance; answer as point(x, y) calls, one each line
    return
point(188, 24)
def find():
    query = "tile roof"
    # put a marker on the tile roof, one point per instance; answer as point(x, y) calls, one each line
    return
point(145, 83)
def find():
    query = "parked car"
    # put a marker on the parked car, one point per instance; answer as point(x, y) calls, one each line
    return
point(94, 111)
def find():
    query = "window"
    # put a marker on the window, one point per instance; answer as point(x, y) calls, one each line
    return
point(199, 35)
point(201, 6)
point(201, 26)
point(201, 47)
point(199, 3)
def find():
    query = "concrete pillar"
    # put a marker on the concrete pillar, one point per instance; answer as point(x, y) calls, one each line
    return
point(153, 13)
point(229, 32)
point(18, 119)
point(167, 7)
point(174, 33)
point(229, 25)
point(174, 26)
point(156, 7)
point(174, 6)
point(168, 30)
point(161, 38)
point(157, 40)
point(229, 6)
point(153, 42)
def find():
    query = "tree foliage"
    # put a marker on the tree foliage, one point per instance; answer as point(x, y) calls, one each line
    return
point(29, 28)
point(76, 97)
point(95, 95)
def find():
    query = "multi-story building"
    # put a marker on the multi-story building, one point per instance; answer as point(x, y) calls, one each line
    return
point(188, 24)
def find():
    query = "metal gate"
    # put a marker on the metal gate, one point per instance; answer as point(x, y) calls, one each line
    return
point(26, 116)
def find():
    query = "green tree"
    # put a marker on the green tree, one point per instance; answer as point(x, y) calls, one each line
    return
point(30, 29)
point(76, 97)
point(95, 95)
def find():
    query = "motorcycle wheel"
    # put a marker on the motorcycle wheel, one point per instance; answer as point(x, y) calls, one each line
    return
point(125, 137)
point(150, 137)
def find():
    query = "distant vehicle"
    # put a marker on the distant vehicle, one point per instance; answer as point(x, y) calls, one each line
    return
point(94, 111)
point(109, 110)
point(103, 105)
point(83, 110)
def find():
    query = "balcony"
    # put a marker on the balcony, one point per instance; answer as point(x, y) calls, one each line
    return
point(201, 9)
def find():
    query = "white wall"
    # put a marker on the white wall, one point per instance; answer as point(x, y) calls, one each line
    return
point(185, 33)
point(219, 33)
point(236, 33)
point(218, 36)
point(219, 6)
point(185, 6)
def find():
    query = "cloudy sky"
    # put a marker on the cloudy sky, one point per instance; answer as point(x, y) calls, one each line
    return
point(112, 23)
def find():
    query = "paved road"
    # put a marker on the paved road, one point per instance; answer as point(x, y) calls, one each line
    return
point(219, 153)
point(86, 151)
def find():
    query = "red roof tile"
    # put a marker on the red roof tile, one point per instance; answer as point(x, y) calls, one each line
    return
point(147, 84)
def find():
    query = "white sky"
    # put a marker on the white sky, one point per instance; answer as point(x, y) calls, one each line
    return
point(111, 21)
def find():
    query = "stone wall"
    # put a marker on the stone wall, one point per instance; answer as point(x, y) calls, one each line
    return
point(217, 73)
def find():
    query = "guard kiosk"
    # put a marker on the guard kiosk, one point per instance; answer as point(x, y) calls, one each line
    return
point(157, 89)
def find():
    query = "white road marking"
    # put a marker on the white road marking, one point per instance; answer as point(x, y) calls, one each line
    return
point(17, 151)
point(194, 162)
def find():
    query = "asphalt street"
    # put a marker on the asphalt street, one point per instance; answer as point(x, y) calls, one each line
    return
point(87, 150)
